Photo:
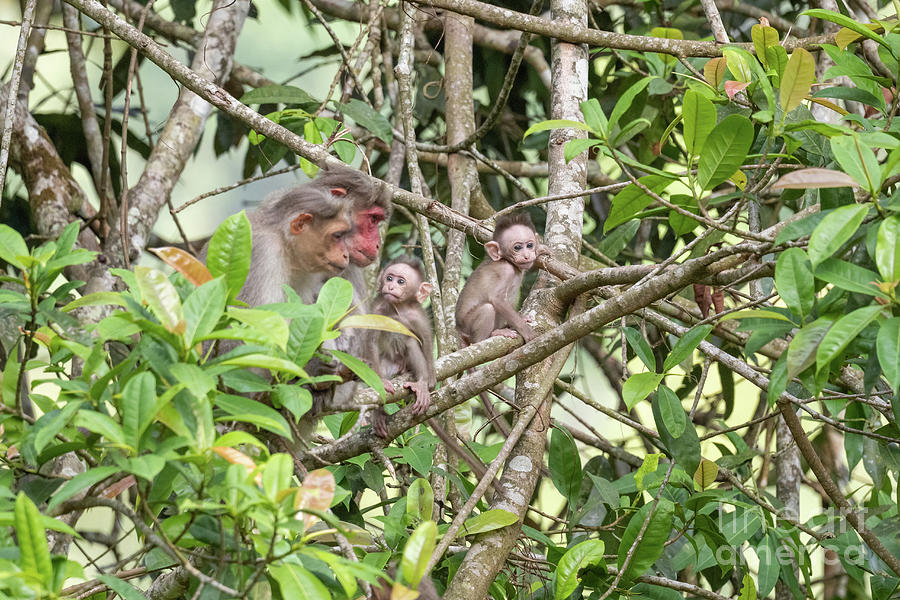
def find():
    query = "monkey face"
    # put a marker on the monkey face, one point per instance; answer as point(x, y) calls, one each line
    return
point(322, 246)
point(518, 244)
point(399, 283)
point(366, 239)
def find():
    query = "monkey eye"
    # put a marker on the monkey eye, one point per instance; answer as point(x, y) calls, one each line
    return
point(389, 278)
point(531, 244)
point(401, 281)
point(517, 247)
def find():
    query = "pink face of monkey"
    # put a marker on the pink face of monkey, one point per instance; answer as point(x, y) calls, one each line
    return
point(518, 245)
point(366, 239)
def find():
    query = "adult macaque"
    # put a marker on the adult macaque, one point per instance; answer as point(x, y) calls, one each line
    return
point(486, 305)
point(401, 290)
point(299, 234)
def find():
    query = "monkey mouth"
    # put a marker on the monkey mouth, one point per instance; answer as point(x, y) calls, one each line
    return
point(337, 267)
point(362, 259)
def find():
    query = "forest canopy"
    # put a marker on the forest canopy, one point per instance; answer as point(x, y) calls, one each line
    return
point(696, 396)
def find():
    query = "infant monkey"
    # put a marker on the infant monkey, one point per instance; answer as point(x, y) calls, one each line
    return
point(401, 290)
point(487, 303)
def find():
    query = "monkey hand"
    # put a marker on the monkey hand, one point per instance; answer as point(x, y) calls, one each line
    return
point(423, 396)
point(505, 332)
point(389, 387)
point(379, 422)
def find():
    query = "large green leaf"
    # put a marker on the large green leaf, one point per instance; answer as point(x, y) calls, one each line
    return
point(264, 361)
point(34, 551)
point(888, 345)
point(724, 151)
point(847, 22)
point(763, 36)
point(229, 252)
point(651, 544)
point(834, 231)
point(361, 370)
point(78, 483)
point(685, 346)
point(368, 117)
point(243, 409)
point(858, 160)
point(766, 551)
point(297, 583)
point(699, 118)
point(162, 298)
point(307, 330)
point(138, 407)
point(640, 346)
point(843, 332)
point(102, 425)
point(565, 464)
point(594, 115)
point(795, 282)
point(850, 277)
point(490, 520)
point(638, 387)
point(587, 553)
point(335, 299)
point(671, 410)
point(203, 308)
point(801, 352)
point(887, 249)
point(278, 94)
point(685, 449)
point(626, 99)
point(556, 124)
point(632, 200)
point(799, 75)
point(269, 324)
point(420, 499)
point(12, 246)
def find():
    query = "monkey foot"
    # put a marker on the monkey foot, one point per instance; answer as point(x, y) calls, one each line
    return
point(379, 423)
point(423, 396)
point(505, 332)
point(389, 387)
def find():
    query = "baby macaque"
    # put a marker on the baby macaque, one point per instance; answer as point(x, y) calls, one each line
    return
point(486, 305)
point(401, 290)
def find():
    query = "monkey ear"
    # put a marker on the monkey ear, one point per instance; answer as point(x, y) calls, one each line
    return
point(493, 250)
point(338, 191)
point(424, 291)
point(299, 222)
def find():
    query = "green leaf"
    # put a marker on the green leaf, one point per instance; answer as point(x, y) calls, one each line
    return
point(297, 583)
point(801, 352)
point(278, 94)
point(34, 551)
point(420, 499)
point(887, 249)
point(706, 473)
point(565, 464)
point(269, 324)
point(699, 115)
point(556, 124)
point(251, 411)
point(577, 146)
point(626, 99)
point(594, 116)
point(264, 361)
point(307, 331)
point(834, 231)
point(138, 407)
point(585, 554)
point(417, 552)
point(362, 370)
point(78, 483)
point(368, 117)
point(95, 299)
point(49, 425)
point(649, 465)
point(769, 566)
point(490, 520)
point(755, 314)
point(101, 424)
point(229, 252)
point(651, 544)
point(638, 387)
point(748, 588)
point(798, 77)
point(795, 282)
point(776, 61)
point(888, 346)
point(671, 410)
point(125, 590)
point(162, 298)
point(847, 22)
point(276, 474)
point(12, 246)
point(850, 277)
point(843, 332)
point(202, 310)
point(641, 347)
point(763, 37)
point(685, 346)
point(858, 160)
point(724, 151)
point(335, 299)
point(685, 449)
point(632, 200)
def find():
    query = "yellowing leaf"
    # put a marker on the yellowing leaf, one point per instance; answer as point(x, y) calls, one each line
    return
point(844, 37)
point(706, 473)
point(799, 75)
point(714, 71)
point(379, 322)
point(316, 493)
point(739, 179)
point(193, 270)
point(763, 36)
